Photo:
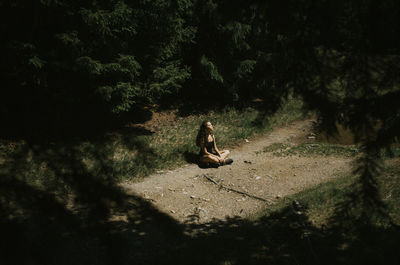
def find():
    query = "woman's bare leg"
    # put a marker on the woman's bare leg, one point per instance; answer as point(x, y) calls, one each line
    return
point(224, 153)
point(209, 159)
point(214, 159)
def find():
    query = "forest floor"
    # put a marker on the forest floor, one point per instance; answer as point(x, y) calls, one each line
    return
point(255, 180)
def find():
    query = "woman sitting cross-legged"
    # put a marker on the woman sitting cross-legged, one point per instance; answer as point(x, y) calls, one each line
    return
point(209, 153)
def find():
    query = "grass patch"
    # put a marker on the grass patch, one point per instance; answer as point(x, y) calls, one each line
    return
point(312, 149)
point(320, 201)
point(175, 146)
point(276, 148)
point(328, 238)
point(393, 152)
point(324, 149)
point(135, 153)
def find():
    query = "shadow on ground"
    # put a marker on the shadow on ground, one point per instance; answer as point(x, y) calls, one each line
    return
point(83, 217)
point(134, 232)
point(191, 157)
point(60, 203)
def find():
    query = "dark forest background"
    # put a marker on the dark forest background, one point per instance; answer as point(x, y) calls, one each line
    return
point(67, 63)
point(80, 68)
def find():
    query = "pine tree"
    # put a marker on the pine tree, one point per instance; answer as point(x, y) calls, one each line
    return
point(83, 61)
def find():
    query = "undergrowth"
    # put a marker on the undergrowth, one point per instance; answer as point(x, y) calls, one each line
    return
point(323, 149)
point(132, 153)
point(312, 217)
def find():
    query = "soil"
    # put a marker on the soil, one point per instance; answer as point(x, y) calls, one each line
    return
point(254, 181)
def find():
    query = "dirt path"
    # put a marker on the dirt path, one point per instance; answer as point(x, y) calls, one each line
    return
point(188, 196)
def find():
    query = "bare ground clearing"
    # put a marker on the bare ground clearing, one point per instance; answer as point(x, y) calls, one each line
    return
point(189, 197)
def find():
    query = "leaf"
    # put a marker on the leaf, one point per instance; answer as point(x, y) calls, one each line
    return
point(36, 62)
point(211, 69)
point(87, 64)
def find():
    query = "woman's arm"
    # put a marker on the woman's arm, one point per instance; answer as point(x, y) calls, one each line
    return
point(215, 147)
point(203, 147)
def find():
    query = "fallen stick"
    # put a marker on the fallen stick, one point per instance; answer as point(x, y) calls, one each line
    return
point(233, 190)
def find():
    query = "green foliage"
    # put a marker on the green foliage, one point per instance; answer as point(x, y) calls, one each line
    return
point(210, 70)
point(188, 49)
point(88, 65)
point(36, 62)
point(166, 81)
point(83, 61)
point(120, 97)
point(312, 149)
point(73, 64)
point(108, 55)
point(245, 69)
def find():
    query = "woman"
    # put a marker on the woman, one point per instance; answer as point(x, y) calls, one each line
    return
point(209, 153)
